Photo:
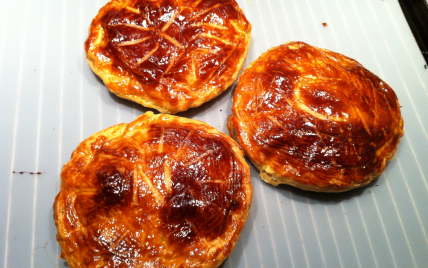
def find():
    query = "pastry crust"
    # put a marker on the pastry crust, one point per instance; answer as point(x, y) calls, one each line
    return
point(170, 55)
point(315, 119)
point(161, 191)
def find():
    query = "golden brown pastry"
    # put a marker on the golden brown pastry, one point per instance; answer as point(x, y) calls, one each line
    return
point(170, 55)
point(315, 119)
point(162, 191)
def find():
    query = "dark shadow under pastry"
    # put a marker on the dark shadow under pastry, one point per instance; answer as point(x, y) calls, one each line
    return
point(315, 119)
point(170, 55)
point(161, 191)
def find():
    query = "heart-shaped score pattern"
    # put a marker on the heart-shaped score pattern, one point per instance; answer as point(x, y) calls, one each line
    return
point(172, 54)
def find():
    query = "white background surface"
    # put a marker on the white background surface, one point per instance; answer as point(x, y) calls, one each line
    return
point(50, 101)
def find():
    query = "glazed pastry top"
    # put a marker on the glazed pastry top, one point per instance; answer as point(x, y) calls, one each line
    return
point(317, 116)
point(173, 51)
point(160, 190)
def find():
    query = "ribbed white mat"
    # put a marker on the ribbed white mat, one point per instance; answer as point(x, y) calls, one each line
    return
point(50, 101)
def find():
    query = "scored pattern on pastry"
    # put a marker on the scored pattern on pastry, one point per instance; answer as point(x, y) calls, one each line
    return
point(155, 33)
point(316, 116)
point(168, 54)
point(154, 192)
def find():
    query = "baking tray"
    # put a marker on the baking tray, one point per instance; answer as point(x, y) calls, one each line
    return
point(51, 100)
point(416, 13)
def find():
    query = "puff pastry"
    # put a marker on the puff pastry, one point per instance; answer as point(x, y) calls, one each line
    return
point(162, 191)
point(315, 119)
point(170, 55)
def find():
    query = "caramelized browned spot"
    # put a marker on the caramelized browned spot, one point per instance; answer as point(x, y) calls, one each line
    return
point(115, 185)
point(316, 116)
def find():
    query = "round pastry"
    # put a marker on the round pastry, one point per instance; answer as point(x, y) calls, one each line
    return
point(170, 55)
point(162, 191)
point(315, 119)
